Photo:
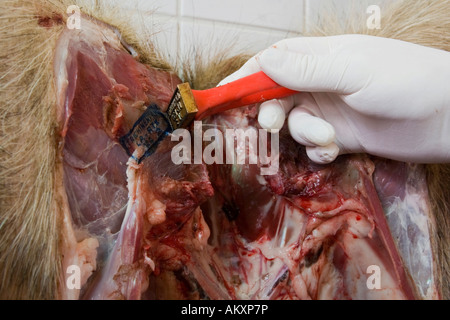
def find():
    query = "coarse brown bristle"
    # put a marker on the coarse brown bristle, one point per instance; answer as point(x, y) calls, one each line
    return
point(28, 229)
point(30, 253)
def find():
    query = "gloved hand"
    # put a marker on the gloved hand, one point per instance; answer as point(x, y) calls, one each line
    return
point(359, 94)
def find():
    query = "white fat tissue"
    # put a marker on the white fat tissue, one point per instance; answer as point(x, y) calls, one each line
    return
point(321, 234)
point(155, 210)
point(87, 254)
point(411, 222)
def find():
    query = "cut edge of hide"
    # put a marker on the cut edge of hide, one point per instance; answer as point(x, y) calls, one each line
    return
point(31, 213)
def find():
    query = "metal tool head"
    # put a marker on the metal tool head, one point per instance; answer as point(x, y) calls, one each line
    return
point(148, 131)
point(182, 108)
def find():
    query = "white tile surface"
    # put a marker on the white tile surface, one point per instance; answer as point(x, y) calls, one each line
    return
point(199, 36)
point(164, 35)
point(280, 15)
point(180, 27)
point(343, 9)
point(155, 6)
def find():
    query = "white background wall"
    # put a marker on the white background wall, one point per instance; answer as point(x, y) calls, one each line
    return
point(247, 25)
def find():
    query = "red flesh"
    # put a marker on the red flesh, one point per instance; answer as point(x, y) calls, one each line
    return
point(321, 220)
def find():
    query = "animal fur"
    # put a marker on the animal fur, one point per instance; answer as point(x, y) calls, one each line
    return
point(30, 217)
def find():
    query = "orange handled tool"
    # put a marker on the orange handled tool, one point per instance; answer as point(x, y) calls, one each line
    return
point(255, 88)
point(188, 105)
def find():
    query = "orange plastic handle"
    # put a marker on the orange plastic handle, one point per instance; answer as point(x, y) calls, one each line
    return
point(255, 88)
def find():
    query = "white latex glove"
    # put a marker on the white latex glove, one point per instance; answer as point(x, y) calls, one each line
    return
point(359, 94)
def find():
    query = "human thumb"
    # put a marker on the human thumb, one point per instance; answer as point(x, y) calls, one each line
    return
point(305, 72)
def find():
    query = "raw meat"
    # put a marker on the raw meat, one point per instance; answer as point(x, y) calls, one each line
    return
point(222, 231)
point(318, 228)
point(102, 90)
